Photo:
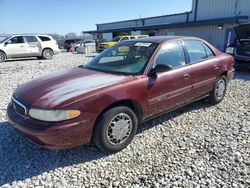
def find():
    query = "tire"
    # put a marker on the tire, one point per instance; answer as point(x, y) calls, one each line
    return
point(115, 129)
point(219, 91)
point(47, 53)
point(2, 56)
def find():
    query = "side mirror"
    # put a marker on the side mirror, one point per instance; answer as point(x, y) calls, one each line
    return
point(160, 68)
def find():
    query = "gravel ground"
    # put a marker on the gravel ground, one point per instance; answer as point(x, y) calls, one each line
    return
point(196, 146)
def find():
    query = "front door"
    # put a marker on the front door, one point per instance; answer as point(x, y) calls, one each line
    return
point(172, 88)
point(15, 47)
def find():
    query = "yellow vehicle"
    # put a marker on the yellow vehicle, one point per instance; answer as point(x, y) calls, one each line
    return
point(105, 45)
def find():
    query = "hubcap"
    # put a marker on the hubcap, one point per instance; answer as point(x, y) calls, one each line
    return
point(220, 89)
point(2, 56)
point(119, 129)
point(47, 54)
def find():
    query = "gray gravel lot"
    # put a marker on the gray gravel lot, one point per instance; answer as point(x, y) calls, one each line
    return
point(196, 146)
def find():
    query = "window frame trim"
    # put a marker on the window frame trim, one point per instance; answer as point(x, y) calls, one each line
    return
point(188, 56)
point(14, 37)
point(24, 37)
point(184, 53)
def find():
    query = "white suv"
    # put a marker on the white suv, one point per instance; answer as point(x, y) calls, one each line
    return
point(40, 46)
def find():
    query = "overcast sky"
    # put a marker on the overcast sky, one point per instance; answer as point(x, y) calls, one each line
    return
point(63, 16)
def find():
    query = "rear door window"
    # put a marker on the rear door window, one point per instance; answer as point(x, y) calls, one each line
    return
point(196, 50)
point(209, 52)
point(43, 38)
point(30, 39)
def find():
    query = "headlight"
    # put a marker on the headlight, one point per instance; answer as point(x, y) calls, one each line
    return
point(230, 50)
point(53, 115)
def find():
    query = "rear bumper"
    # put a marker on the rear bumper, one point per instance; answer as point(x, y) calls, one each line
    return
point(60, 135)
point(230, 75)
point(56, 51)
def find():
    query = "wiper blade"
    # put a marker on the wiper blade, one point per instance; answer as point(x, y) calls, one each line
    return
point(81, 66)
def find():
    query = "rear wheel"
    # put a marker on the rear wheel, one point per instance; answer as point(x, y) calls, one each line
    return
point(47, 53)
point(219, 91)
point(115, 129)
point(2, 56)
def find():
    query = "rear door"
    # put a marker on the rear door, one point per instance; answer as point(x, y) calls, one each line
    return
point(15, 47)
point(171, 88)
point(204, 67)
point(33, 46)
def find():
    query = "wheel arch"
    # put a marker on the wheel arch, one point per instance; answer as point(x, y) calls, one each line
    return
point(4, 53)
point(133, 105)
point(224, 73)
point(48, 48)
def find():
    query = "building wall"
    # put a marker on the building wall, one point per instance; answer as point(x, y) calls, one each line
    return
point(209, 33)
point(206, 9)
point(107, 36)
point(210, 9)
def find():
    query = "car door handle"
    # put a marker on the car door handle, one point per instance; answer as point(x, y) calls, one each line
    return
point(21, 46)
point(186, 76)
point(215, 67)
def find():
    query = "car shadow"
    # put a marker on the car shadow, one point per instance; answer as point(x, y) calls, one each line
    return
point(202, 104)
point(22, 59)
point(20, 159)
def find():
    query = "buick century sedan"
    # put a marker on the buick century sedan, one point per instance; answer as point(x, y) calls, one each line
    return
point(104, 101)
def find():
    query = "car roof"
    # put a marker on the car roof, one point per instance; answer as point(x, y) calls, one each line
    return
point(161, 39)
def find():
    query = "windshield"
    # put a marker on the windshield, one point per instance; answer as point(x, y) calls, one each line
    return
point(117, 39)
point(2, 39)
point(128, 58)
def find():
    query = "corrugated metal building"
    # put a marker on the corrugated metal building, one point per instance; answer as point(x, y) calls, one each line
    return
point(211, 20)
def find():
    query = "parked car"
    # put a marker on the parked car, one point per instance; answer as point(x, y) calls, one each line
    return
point(240, 49)
point(83, 43)
point(68, 44)
point(105, 45)
point(41, 46)
point(105, 100)
point(90, 45)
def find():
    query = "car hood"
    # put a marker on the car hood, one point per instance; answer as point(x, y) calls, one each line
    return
point(108, 43)
point(60, 88)
point(243, 31)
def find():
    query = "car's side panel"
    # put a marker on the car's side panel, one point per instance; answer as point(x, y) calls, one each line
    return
point(204, 75)
point(15, 49)
point(168, 90)
point(34, 48)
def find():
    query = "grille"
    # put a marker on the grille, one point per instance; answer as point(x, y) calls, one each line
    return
point(19, 107)
point(243, 51)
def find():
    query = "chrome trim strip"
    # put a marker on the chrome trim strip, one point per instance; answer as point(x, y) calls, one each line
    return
point(16, 101)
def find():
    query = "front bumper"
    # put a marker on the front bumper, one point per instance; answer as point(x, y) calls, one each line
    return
point(59, 135)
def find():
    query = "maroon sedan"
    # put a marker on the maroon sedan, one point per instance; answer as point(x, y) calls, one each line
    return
point(129, 83)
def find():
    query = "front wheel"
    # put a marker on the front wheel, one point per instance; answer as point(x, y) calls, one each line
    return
point(2, 56)
point(219, 91)
point(47, 53)
point(115, 129)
